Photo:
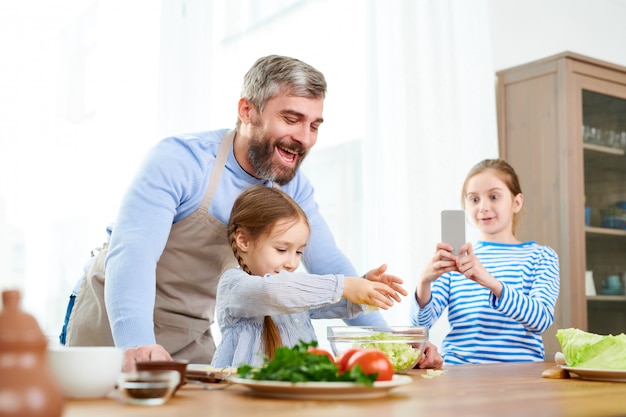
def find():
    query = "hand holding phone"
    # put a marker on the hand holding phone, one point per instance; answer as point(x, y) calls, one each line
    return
point(453, 229)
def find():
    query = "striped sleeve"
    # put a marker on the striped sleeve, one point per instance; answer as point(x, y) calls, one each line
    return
point(533, 305)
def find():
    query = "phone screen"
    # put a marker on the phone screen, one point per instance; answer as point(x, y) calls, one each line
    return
point(453, 229)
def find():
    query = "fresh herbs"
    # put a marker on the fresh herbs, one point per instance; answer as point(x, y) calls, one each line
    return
point(297, 365)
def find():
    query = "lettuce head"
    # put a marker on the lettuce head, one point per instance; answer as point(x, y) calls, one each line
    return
point(592, 351)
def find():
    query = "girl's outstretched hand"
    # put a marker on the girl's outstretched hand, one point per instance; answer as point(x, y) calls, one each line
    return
point(363, 291)
point(379, 275)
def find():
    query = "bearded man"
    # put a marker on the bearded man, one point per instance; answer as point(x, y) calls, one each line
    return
point(169, 246)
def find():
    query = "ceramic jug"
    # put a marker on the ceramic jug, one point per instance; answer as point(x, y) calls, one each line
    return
point(27, 386)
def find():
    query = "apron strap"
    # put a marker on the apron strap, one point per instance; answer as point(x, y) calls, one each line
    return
point(218, 168)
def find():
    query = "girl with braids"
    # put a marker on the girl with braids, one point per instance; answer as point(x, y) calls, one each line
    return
point(500, 292)
point(265, 303)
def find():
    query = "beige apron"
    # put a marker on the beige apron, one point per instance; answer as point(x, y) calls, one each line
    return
point(195, 255)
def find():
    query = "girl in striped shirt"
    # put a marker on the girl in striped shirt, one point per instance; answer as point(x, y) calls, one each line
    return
point(500, 292)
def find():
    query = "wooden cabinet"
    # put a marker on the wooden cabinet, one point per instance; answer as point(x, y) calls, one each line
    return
point(562, 125)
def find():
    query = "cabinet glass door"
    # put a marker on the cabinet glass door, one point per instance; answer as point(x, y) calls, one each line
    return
point(604, 150)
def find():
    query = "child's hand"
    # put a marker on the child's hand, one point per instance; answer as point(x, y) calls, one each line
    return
point(470, 266)
point(378, 275)
point(363, 291)
point(443, 261)
point(431, 358)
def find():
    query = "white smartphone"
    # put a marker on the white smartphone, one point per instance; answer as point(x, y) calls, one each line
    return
point(453, 229)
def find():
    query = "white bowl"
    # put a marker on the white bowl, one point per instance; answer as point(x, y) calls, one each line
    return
point(86, 371)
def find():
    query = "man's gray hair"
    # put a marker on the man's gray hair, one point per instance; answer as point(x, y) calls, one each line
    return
point(275, 74)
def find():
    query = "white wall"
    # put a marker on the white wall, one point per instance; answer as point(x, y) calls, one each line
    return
point(527, 30)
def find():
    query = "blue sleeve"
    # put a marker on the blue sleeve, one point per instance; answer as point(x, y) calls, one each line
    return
point(169, 184)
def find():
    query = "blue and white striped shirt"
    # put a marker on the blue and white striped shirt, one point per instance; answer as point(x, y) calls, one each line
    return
point(484, 328)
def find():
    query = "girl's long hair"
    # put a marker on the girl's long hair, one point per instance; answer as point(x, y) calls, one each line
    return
point(255, 212)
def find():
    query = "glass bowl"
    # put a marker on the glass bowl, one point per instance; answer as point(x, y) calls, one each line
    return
point(403, 345)
point(148, 387)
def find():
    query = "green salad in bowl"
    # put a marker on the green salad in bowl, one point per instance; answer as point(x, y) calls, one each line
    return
point(403, 345)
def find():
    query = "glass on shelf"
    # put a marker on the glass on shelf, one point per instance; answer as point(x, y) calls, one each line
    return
point(603, 137)
point(614, 217)
point(604, 120)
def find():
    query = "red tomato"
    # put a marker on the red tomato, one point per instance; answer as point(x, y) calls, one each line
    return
point(322, 352)
point(342, 361)
point(372, 361)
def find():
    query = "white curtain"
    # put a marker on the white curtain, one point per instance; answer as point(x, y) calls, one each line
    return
point(431, 117)
point(77, 112)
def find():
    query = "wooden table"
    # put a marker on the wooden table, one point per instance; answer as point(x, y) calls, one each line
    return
point(463, 390)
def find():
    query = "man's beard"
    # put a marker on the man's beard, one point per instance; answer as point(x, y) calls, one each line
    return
point(260, 154)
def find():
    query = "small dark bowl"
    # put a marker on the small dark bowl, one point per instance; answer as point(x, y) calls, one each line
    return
point(153, 387)
point(176, 365)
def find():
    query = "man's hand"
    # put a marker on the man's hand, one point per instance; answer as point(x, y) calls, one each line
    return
point(145, 353)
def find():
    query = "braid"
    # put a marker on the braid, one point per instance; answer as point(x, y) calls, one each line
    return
point(233, 244)
point(271, 337)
